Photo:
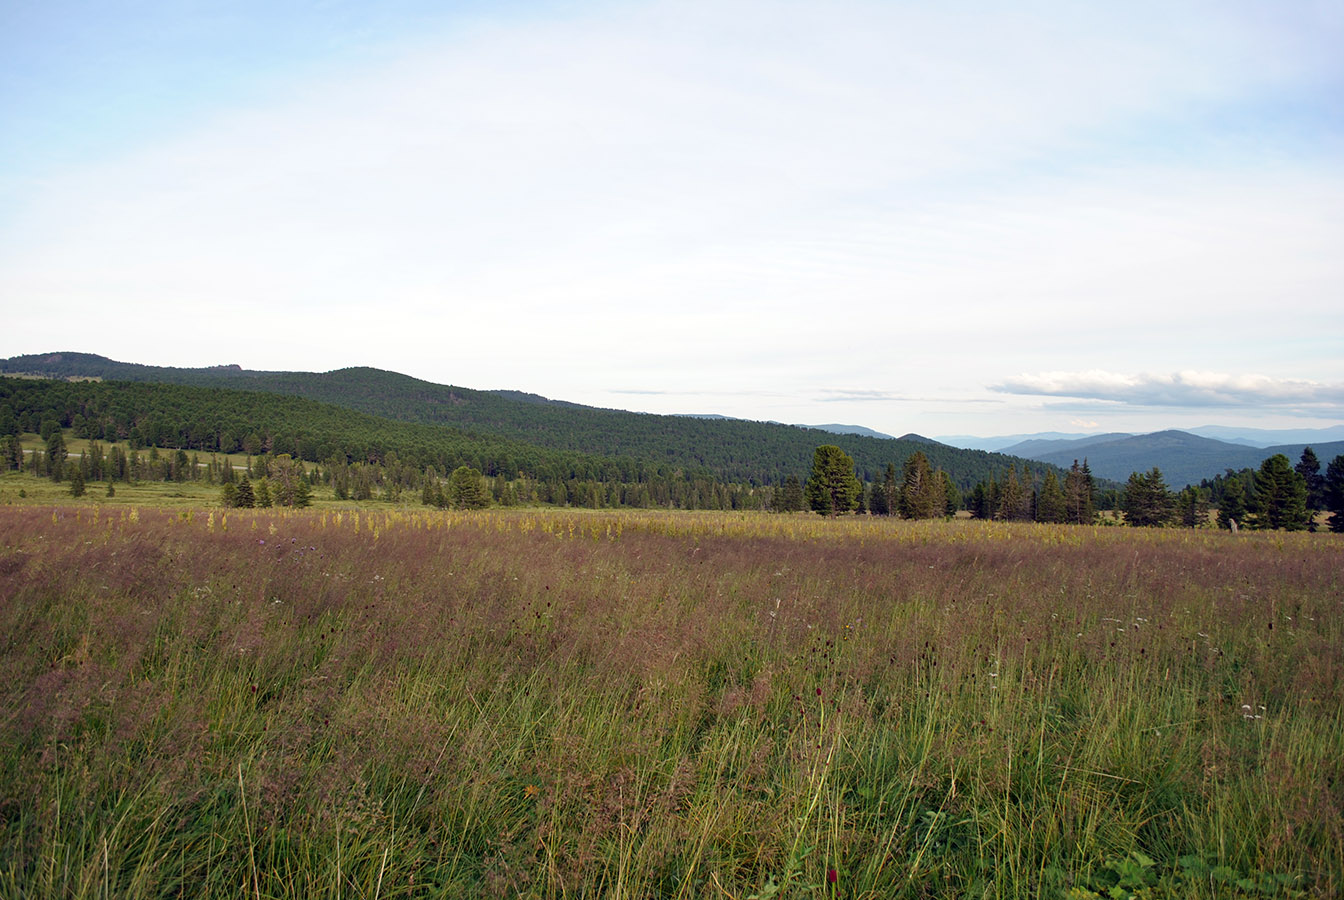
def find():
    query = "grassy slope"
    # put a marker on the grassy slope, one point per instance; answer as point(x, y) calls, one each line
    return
point(635, 705)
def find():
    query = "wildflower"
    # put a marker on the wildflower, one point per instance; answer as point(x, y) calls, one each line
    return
point(831, 875)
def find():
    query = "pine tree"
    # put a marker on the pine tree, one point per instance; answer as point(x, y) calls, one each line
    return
point(13, 454)
point(1079, 509)
point(922, 493)
point(832, 489)
point(794, 501)
point(980, 501)
point(245, 498)
point(951, 496)
point(1147, 503)
point(1280, 496)
point(1232, 505)
point(890, 490)
point(1332, 493)
point(1013, 499)
point(1051, 507)
point(76, 480)
point(262, 492)
point(1309, 467)
point(465, 490)
point(1192, 505)
point(56, 455)
point(429, 488)
point(877, 500)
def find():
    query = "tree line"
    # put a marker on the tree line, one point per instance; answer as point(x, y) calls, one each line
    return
point(920, 490)
point(1279, 495)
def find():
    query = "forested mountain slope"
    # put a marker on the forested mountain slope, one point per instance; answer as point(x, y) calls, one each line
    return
point(229, 421)
point(732, 450)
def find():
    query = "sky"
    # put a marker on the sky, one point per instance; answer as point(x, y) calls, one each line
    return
point(944, 218)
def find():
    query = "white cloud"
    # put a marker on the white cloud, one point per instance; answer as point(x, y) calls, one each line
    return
point(808, 201)
point(1180, 389)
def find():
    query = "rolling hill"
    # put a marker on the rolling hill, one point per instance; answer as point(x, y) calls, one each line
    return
point(731, 450)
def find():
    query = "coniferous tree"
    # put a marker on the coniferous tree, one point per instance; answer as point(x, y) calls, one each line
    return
point(245, 498)
point(1050, 507)
point(794, 500)
point(1014, 500)
point(429, 488)
point(465, 490)
point(1192, 505)
point(1332, 493)
point(832, 489)
point(951, 496)
point(980, 501)
point(877, 500)
point(1232, 505)
point(286, 473)
point(13, 453)
point(1079, 508)
point(1280, 496)
point(56, 455)
point(1309, 467)
point(922, 493)
point(993, 495)
point(76, 480)
point(1146, 502)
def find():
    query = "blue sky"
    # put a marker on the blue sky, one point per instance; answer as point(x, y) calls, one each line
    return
point(943, 218)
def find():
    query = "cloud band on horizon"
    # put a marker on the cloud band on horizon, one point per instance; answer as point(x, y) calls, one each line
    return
point(1177, 389)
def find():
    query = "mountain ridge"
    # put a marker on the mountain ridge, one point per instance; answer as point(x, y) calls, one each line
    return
point(1182, 457)
point(734, 450)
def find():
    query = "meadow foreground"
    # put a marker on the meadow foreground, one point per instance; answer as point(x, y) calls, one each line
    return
point(553, 704)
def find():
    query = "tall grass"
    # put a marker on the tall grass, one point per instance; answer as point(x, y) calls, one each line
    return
point(645, 705)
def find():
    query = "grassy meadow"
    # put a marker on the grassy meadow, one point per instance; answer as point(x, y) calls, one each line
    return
point(558, 704)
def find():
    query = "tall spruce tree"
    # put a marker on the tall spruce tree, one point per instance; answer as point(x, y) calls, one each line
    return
point(1332, 493)
point(56, 455)
point(793, 499)
point(1051, 507)
point(1015, 497)
point(1192, 505)
point(877, 500)
point(1232, 505)
point(832, 488)
point(951, 496)
point(466, 490)
point(1280, 496)
point(1146, 502)
point(1078, 504)
point(1309, 467)
point(922, 492)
